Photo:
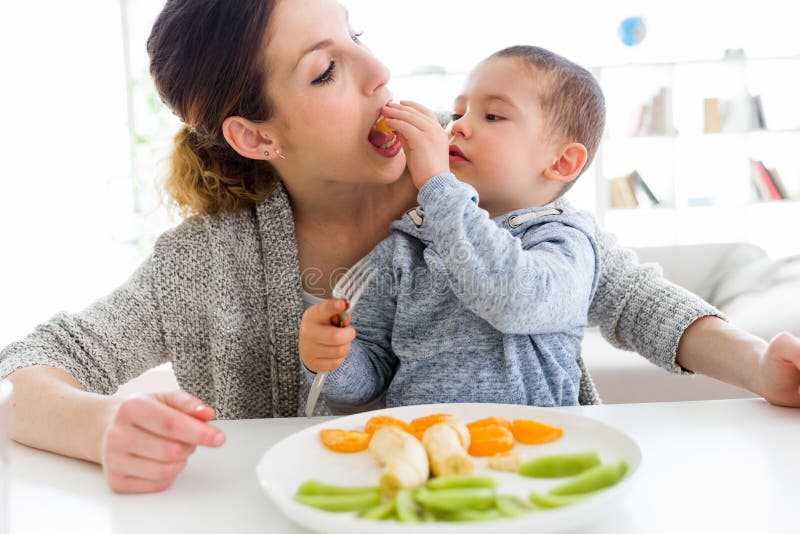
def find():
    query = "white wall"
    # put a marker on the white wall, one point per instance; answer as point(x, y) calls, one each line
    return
point(65, 202)
point(66, 211)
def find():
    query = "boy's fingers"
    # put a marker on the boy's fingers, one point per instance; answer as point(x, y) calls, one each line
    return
point(327, 364)
point(424, 115)
point(422, 109)
point(408, 115)
point(321, 313)
point(326, 354)
point(331, 336)
point(404, 127)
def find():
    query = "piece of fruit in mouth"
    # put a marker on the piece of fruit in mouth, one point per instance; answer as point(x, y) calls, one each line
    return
point(381, 136)
point(381, 125)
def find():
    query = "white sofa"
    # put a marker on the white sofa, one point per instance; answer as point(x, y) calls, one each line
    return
point(755, 292)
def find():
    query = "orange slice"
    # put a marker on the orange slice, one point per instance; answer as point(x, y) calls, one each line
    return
point(534, 432)
point(490, 440)
point(380, 421)
point(421, 424)
point(490, 421)
point(381, 125)
point(345, 440)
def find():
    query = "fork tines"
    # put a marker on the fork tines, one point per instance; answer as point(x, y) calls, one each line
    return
point(353, 283)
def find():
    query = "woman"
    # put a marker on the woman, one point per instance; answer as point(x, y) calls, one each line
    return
point(267, 90)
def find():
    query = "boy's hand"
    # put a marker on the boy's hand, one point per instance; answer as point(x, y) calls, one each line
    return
point(424, 140)
point(322, 346)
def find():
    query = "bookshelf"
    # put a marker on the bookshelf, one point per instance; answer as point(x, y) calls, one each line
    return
point(697, 133)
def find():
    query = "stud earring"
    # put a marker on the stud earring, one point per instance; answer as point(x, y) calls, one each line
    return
point(266, 153)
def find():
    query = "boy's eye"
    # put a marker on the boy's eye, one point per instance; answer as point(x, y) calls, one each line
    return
point(492, 118)
point(325, 77)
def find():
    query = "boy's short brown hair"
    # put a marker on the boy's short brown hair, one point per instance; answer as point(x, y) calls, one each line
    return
point(571, 98)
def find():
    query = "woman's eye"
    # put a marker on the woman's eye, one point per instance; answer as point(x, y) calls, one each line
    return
point(455, 116)
point(492, 118)
point(356, 37)
point(325, 77)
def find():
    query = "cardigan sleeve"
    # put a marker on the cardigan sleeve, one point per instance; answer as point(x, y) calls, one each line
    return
point(638, 309)
point(112, 341)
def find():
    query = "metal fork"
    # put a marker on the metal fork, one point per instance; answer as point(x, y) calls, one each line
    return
point(349, 287)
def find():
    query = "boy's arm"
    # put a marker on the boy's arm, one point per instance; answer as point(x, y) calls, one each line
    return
point(541, 285)
point(370, 365)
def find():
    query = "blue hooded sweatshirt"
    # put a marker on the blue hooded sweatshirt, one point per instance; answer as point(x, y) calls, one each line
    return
point(464, 308)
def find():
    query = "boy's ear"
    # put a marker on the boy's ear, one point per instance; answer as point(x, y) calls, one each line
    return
point(568, 164)
point(249, 139)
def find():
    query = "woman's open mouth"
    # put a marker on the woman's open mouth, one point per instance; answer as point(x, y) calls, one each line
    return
point(383, 139)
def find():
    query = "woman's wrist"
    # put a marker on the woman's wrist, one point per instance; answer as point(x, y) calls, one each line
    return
point(715, 348)
point(52, 412)
point(100, 412)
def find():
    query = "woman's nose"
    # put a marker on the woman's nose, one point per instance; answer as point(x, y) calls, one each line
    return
point(377, 74)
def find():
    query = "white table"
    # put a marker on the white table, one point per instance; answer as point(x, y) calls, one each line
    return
point(708, 466)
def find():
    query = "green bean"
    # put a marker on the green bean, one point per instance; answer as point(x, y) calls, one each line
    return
point(461, 481)
point(512, 506)
point(315, 487)
point(341, 503)
point(467, 514)
point(407, 510)
point(456, 499)
point(601, 476)
point(544, 500)
point(385, 510)
point(561, 465)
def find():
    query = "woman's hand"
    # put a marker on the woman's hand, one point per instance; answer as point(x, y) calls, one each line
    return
point(150, 437)
point(425, 142)
point(322, 346)
point(779, 371)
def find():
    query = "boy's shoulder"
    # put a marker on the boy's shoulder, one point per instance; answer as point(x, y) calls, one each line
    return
point(558, 217)
point(402, 246)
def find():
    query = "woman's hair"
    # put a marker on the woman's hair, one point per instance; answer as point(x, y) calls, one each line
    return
point(206, 62)
point(571, 98)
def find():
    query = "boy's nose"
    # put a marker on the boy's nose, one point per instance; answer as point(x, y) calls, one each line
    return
point(459, 128)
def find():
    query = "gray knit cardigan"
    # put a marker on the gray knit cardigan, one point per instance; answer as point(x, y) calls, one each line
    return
point(220, 298)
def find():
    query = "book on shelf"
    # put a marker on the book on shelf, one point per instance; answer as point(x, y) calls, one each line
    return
point(655, 116)
point(630, 191)
point(779, 185)
point(742, 114)
point(712, 116)
point(642, 191)
point(758, 108)
point(768, 183)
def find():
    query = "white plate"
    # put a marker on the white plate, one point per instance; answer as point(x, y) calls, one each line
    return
point(302, 456)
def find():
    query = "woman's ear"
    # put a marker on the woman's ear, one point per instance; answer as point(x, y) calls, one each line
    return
point(249, 139)
point(569, 163)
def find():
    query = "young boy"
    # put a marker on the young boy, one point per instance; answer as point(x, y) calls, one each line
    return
point(482, 291)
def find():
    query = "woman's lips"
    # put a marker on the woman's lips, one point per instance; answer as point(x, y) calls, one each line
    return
point(384, 142)
point(456, 155)
point(380, 139)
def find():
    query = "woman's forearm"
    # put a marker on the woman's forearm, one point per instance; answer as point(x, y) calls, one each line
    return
point(715, 348)
point(52, 412)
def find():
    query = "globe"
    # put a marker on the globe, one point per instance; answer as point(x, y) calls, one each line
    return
point(632, 31)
